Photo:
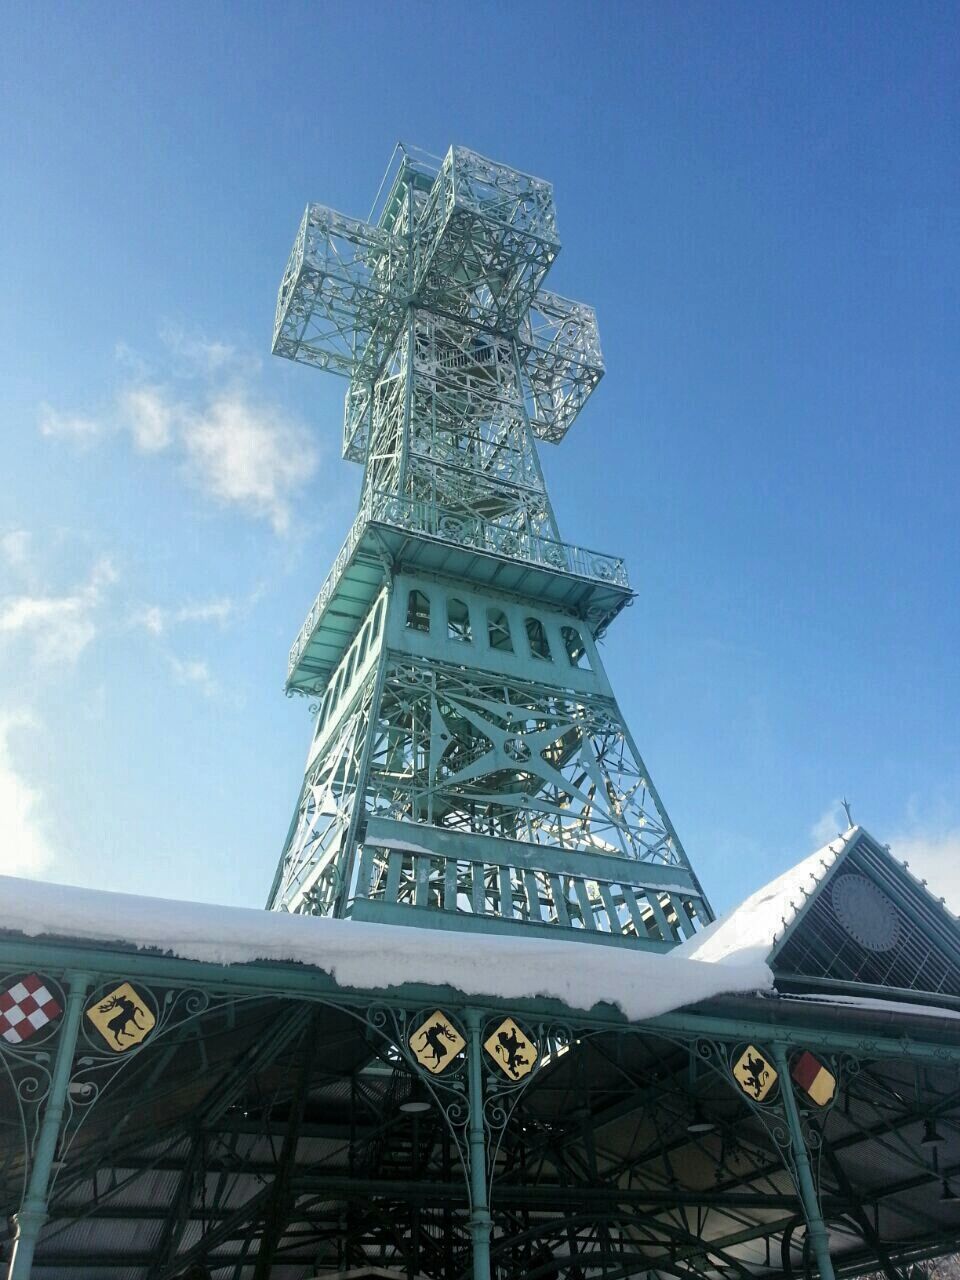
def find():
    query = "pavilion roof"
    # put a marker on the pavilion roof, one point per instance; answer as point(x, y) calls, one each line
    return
point(793, 925)
point(750, 930)
point(179, 1158)
point(374, 957)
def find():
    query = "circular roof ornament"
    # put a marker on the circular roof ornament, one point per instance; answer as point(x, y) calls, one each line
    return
point(865, 913)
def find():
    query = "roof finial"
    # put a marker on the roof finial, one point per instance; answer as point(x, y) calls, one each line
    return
point(846, 809)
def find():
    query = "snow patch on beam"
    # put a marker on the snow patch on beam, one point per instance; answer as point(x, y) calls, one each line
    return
point(747, 934)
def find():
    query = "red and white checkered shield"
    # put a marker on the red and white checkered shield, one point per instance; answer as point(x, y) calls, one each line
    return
point(25, 1007)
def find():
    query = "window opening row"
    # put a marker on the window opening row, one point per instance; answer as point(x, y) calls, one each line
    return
point(498, 629)
point(351, 665)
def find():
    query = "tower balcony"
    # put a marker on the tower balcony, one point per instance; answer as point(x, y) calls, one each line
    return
point(392, 531)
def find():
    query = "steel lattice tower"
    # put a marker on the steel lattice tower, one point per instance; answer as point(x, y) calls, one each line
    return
point(470, 767)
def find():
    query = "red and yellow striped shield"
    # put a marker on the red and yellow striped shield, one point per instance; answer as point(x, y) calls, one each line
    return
point(814, 1079)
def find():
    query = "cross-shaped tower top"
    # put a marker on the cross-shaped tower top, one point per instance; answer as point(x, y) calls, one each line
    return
point(466, 238)
point(457, 359)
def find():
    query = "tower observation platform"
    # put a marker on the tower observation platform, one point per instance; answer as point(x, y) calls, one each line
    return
point(470, 766)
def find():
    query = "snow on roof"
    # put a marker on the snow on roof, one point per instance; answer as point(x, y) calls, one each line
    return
point(747, 933)
point(872, 1003)
point(642, 984)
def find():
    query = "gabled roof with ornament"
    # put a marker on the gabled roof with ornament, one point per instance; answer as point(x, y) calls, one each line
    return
point(848, 917)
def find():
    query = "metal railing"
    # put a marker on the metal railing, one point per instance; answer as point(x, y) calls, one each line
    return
point(463, 531)
point(461, 887)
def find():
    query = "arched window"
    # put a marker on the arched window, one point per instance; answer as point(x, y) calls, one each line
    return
point(537, 639)
point(351, 665)
point(458, 620)
point(576, 651)
point(324, 710)
point(498, 631)
point(378, 618)
point(418, 611)
point(364, 641)
point(337, 690)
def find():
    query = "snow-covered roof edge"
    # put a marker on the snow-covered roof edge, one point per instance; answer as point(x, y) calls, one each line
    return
point(361, 956)
point(750, 931)
point(922, 886)
point(755, 929)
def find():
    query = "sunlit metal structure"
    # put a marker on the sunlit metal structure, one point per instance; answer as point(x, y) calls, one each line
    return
point(202, 1093)
point(470, 766)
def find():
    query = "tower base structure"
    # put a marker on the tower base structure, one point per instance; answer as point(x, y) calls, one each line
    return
point(499, 796)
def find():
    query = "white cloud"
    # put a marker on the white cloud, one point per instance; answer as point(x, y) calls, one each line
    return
point(157, 620)
point(249, 456)
point(148, 415)
point(103, 574)
point(193, 671)
point(24, 846)
point(934, 856)
point(68, 426)
point(131, 360)
point(241, 453)
point(210, 611)
point(203, 355)
point(15, 548)
point(829, 825)
point(152, 619)
point(60, 626)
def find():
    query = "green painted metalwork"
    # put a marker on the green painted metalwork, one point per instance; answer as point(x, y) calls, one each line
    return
point(591, 1161)
point(480, 1221)
point(801, 1160)
point(734, 1019)
point(470, 767)
point(32, 1214)
point(920, 952)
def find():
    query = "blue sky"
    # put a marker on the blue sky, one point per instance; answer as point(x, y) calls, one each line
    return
point(762, 201)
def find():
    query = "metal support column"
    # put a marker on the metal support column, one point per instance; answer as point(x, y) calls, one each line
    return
point(282, 1202)
point(480, 1220)
point(808, 1193)
point(33, 1213)
point(348, 856)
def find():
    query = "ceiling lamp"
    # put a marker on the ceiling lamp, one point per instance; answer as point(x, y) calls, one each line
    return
point(699, 1123)
point(416, 1102)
